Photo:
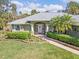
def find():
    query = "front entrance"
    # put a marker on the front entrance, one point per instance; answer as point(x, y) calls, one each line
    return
point(40, 28)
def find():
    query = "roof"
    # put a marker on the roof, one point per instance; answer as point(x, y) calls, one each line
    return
point(75, 18)
point(46, 16)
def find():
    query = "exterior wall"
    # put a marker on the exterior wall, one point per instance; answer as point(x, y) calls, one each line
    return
point(33, 27)
point(51, 29)
point(13, 28)
point(74, 31)
point(25, 27)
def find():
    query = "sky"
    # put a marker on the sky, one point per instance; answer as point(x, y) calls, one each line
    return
point(41, 5)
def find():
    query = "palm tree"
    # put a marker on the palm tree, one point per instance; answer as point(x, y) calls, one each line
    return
point(73, 8)
point(61, 23)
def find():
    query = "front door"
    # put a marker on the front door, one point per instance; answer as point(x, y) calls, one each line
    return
point(40, 28)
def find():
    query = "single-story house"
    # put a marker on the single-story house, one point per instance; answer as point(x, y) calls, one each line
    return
point(39, 23)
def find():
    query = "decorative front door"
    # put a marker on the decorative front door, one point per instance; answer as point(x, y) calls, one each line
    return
point(40, 28)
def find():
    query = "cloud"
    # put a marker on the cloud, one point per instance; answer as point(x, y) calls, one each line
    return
point(73, 0)
point(19, 4)
point(53, 7)
point(41, 8)
point(33, 5)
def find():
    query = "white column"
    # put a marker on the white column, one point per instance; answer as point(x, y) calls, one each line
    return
point(47, 27)
point(32, 28)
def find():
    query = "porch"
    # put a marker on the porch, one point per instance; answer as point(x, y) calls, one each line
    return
point(34, 27)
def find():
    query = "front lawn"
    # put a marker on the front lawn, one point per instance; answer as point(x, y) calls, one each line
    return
point(32, 49)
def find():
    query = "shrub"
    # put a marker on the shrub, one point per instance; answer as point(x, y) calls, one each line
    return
point(65, 38)
point(18, 35)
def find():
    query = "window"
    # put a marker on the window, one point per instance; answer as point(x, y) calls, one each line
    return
point(21, 26)
point(76, 28)
point(13, 26)
point(17, 27)
point(27, 27)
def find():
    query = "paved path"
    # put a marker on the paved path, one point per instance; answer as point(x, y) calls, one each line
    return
point(58, 44)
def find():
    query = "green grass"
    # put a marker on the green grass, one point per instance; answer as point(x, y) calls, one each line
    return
point(33, 49)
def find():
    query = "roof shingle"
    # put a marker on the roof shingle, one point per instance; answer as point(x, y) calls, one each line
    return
point(41, 17)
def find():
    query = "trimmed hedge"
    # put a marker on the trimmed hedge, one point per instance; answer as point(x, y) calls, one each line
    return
point(18, 35)
point(64, 38)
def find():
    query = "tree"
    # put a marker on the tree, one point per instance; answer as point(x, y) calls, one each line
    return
point(13, 8)
point(4, 2)
point(33, 12)
point(6, 16)
point(73, 8)
point(3, 5)
point(61, 23)
point(4, 19)
point(23, 15)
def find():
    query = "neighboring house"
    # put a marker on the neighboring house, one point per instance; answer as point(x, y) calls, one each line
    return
point(38, 23)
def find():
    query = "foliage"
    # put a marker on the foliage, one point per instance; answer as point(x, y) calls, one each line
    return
point(73, 8)
point(4, 5)
point(4, 2)
point(5, 17)
point(2, 23)
point(18, 35)
point(23, 15)
point(13, 8)
point(33, 12)
point(61, 23)
point(65, 38)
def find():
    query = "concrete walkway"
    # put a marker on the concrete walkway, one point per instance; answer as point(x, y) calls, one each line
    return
point(58, 44)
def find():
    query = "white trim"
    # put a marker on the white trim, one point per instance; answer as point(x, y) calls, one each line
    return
point(47, 27)
point(32, 28)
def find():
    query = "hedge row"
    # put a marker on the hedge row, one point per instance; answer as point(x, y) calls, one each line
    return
point(65, 38)
point(18, 35)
